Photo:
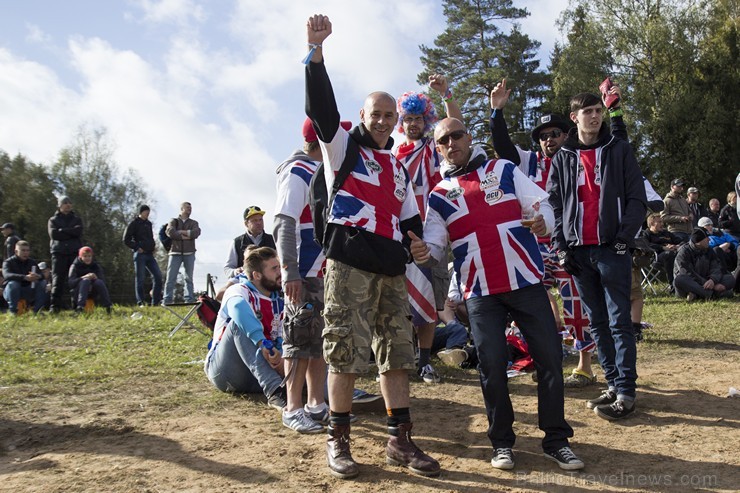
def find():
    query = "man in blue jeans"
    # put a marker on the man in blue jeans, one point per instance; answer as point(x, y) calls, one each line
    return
point(183, 231)
point(23, 280)
point(246, 350)
point(597, 193)
point(139, 237)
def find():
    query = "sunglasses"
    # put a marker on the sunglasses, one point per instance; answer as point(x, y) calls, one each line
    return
point(252, 209)
point(456, 135)
point(554, 134)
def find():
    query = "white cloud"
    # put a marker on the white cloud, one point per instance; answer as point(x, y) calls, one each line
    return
point(174, 11)
point(36, 35)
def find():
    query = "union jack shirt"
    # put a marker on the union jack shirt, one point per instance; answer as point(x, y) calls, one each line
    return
point(376, 196)
point(481, 212)
point(292, 201)
point(421, 160)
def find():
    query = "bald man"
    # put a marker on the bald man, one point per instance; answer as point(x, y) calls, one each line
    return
point(366, 244)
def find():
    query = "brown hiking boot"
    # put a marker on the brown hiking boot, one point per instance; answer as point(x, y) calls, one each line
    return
point(338, 456)
point(402, 451)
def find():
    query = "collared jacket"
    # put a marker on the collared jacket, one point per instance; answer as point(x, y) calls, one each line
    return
point(701, 265)
point(65, 231)
point(180, 244)
point(139, 234)
point(676, 206)
point(622, 203)
point(15, 269)
point(80, 268)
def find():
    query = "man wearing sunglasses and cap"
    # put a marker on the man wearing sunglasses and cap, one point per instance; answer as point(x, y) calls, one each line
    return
point(255, 235)
point(677, 215)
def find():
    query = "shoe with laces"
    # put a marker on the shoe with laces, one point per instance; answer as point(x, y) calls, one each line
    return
point(278, 399)
point(565, 458)
point(614, 411)
point(359, 396)
point(503, 458)
point(579, 379)
point(320, 416)
point(299, 421)
point(607, 397)
point(429, 375)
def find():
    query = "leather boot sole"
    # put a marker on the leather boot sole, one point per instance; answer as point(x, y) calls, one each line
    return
point(394, 462)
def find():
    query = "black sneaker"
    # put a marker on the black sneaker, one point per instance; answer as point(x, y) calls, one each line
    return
point(278, 399)
point(565, 458)
point(616, 410)
point(607, 398)
point(503, 458)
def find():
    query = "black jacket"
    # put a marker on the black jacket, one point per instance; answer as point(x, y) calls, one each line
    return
point(14, 269)
point(729, 221)
point(139, 234)
point(65, 231)
point(353, 246)
point(659, 240)
point(701, 265)
point(622, 204)
point(80, 268)
point(10, 242)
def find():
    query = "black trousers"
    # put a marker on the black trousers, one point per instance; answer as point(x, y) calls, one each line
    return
point(60, 264)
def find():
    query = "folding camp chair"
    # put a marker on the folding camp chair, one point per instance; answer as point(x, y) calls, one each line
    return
point(193, 309)
point(652, 279)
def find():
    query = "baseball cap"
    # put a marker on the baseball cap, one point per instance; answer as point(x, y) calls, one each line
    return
point(693, 190)
point(253, 210)
point(309, 134)
point(704, 222)
point(550, 120)
point(8, 226)
point(678, 182)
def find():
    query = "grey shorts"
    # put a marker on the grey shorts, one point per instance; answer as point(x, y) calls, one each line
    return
point(304, 323)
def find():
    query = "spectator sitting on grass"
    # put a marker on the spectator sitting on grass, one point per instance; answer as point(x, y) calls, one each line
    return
point(22, 279)
point(698, 272)
point(723, 244)
point(87, 280)
point(245, 354)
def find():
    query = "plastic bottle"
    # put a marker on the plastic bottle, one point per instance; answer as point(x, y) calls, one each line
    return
point(267, 344)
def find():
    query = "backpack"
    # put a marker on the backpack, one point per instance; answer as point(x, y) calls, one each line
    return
point(208, 311)
point(164, 239)
point(318, 196)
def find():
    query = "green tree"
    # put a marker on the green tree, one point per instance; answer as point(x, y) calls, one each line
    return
point(475, 54)
point(676, 61)
point(27, 200)
point(106, 200)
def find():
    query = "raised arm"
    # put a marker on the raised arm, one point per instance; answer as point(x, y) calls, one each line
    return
point(438, 82)
point(502, 143)
point(321, 105)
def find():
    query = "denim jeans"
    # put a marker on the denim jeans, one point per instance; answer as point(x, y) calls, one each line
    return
point(173, 267)
point(146, 262)
point(87, 288)
point(14, 292)
point(530, 308)
point(452, 335)
point(237, 365)
point(604, 284)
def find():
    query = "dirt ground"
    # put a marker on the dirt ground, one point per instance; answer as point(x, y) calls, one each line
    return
point(684, 437)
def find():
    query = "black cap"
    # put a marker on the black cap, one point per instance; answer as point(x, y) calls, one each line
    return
point(8, 226)
point(143, 208)
point(550, 120)
point(678, 182)
point(698, 235)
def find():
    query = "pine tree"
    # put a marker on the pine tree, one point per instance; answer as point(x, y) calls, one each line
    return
point(475, 54)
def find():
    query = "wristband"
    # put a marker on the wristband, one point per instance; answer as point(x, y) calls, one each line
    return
point(313, 47)
point(448, 95)
point(616, 113)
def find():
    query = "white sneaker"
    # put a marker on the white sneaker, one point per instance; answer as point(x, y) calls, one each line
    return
point(300, 422)
point(452, 357)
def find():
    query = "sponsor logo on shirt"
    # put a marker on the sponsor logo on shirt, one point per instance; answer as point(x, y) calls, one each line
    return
point(373, 165)
point(493, 196)
point(490, 181)
point(454, 193)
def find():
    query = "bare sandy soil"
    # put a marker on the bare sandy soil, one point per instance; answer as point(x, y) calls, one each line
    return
point(684, 438)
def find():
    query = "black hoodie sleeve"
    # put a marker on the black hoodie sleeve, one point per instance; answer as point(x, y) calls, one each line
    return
point(321, 105)
point(502, 143)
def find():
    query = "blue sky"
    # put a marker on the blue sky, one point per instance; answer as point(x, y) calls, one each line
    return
point(203, 99)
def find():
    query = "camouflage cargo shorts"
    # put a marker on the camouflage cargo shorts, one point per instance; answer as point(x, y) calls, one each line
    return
point(365, 311)
point(303, 322)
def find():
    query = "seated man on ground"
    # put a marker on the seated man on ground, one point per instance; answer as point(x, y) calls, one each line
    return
point(22, 279)
point(245, 354)
point(87, 281)
point(698, 272)
point(723, 244)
